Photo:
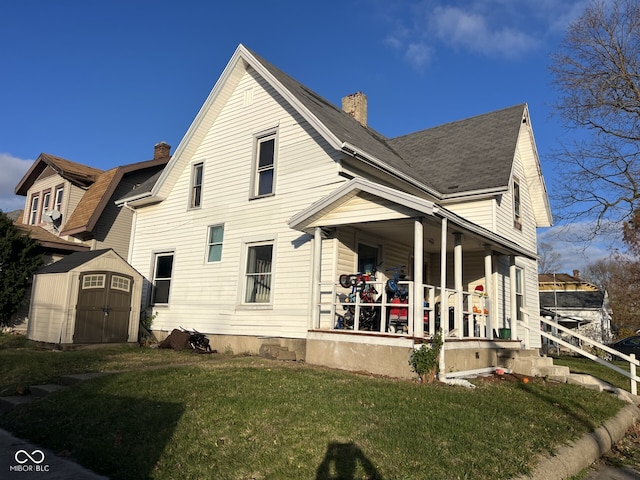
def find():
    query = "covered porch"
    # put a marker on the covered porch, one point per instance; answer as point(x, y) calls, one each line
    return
point(456, 277)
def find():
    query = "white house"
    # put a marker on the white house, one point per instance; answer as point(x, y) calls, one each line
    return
point(274, 192)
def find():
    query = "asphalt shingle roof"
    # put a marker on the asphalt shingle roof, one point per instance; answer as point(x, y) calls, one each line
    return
point(576, 299)
point(72, 261)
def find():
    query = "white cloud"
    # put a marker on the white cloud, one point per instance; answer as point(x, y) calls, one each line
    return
point(490, 28)
point(575, 253)
point(13, 169)
point(471, 31)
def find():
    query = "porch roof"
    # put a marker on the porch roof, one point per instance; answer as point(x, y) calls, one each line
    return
point(361, 201)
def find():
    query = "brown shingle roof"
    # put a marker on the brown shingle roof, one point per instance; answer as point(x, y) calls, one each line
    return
point(49, 240)
point(76, 173)
point(94, 200)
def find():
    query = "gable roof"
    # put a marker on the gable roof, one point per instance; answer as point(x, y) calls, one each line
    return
point(76, 173)
point(427, 160)
point(471, 146)
point(95, 199)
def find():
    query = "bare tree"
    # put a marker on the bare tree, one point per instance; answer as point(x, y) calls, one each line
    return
point(597, 74)
point(549, 259)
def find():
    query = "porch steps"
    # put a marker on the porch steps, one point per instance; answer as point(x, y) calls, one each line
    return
point(276, 352)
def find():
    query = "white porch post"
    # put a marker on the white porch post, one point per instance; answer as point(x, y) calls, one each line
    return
point(513, 311)
point(457, 275)
point(418, 290)
point(443, 294)
point(315, 276)
point(488, 285)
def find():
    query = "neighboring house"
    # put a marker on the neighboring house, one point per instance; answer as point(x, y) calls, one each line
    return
point(274, 192)
point(70, 207)
point(576, 304)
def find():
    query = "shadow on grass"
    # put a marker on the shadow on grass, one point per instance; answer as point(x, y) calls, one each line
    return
point(120, 437)
point(343, 460)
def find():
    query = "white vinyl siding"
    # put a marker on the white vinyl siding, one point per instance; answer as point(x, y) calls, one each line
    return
point(306, 171)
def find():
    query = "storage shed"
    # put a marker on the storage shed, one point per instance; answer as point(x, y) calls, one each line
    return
point(87, 297)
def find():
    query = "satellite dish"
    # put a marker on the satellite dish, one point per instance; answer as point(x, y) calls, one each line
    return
point(51, 216)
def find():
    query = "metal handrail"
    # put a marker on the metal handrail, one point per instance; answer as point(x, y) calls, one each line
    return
point(633, 362)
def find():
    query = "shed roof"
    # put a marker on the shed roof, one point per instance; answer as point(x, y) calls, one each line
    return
point(74, 260)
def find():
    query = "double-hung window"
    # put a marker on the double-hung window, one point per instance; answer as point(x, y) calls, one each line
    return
point(196, 186)
point(517, 218)
point(214, 243)
point(519, 292)
point(33, 213)
point(162, 274)
point(46, 200)
point(265, 165)
point(58, 199)
point(259, 273)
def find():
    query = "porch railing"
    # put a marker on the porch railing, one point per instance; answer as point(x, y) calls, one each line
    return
point(465, 313)
point(633, 362)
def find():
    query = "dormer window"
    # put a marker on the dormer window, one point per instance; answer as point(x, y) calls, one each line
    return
point(58, 199)
point(33, 212)
point(46, 201)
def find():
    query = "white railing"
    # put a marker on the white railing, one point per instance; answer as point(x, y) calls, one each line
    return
point(343, 309)
point(633, 362)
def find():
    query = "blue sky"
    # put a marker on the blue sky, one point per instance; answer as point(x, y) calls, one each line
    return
point(101, 82)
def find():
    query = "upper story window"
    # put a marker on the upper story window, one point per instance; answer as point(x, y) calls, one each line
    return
point(517, 218)
point(519, 292)
point(46, 203)
point(264, 165)
point(33, 212)
point(214, 243)
point(196, 186)
point(57, 205)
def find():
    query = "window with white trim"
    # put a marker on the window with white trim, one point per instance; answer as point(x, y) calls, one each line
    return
point(46, 200)
point(93, 281)
point(215, 235)
point(517, 218)
point(259, 273)
point(120, 283)
point(264, 165)
point(196, 186)
point(162, 274)
point(519, 292)
point(58, 199)
point(33, 213)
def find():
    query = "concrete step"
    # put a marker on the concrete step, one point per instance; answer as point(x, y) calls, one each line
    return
point(81, 377)
point(276, 352)
point(529, 365)
point(552, 371)
point(43, 390)
point(9, 403)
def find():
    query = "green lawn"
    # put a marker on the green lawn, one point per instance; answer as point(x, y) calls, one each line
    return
point(251, 418)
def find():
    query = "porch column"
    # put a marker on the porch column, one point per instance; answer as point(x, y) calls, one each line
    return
point(488, 284)
point(418, 290)
point(443, 294)
point(513, 300)
point(457, 276)
point(443, 276)
point(315, 277)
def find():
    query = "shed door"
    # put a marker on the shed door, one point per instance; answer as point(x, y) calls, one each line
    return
point(103, 309)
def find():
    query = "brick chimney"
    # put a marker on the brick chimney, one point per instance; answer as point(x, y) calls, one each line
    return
point(356, 106)
point(161, 150)
point(576, 274)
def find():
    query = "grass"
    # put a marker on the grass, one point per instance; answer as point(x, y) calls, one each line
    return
point(251, 418)
point(584, 365)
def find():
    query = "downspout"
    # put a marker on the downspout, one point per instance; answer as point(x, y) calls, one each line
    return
point(443, 294)
point(132, 236)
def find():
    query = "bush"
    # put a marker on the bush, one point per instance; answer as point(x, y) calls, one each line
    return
point(425, 360)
